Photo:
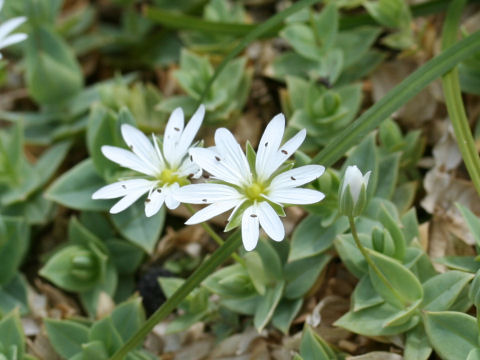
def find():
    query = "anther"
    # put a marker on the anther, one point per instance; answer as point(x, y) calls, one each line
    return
point(291, 177)
point(217, 158)
point(284, 152)
point(204, 200)
point(176, 129)
point(147, 200)
point(253, 215)
point(124, 186)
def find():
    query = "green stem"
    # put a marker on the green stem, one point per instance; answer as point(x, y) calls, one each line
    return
point(215, 236)
point(207, 267)
point(453, 97)
point(369, 260)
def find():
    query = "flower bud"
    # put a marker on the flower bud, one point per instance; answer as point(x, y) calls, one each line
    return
point(353, 191)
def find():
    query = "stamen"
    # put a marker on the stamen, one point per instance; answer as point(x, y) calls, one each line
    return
point(131, 147)
point(204, 200)
point(266, 144)
point(176, 129)
point(253, 215)
point(147, 200)
point(217, 158)
point(291, 177)
point(284, 152)
point(124, 186)
point(159, 190)
point(191, 158)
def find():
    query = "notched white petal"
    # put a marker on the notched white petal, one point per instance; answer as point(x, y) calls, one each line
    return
point(154, 202)
point(121, 188)
point(250, 228)
point(190, 132)
point(270, 221)
point(227, 145)
point(211, 211)
point(297, 177)
point(296, 196)
point(207, 193)
point(212, 162)
point(139, 143)
point(126, 159)
point(173, 131)
point(269, 144)
point(127, 200)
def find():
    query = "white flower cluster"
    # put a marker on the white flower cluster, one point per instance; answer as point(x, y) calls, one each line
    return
point(256, 189)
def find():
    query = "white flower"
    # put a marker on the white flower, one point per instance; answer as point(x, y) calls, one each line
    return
point(256, 196)
point(6, 28)
point(353, 202)
point(164, 171)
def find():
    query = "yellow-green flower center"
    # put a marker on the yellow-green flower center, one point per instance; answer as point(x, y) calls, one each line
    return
point(254, 191)
point(170, 176)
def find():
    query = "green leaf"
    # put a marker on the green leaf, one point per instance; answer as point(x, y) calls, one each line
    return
point(302, 274)
point(311, 238)
point(14, 241)
point(137, 228)
point(93, 350)
point(416, 344)
point(74, 188)
point(267, 305)
point(474, 354)
point(462, 263)
point(441, 291)
point(11, 333)
point(325, 26)
point(453, 335)
point(404, 288)
point(302, 39)
point(285, 313)
point(53, 73)
point(105, 332)
point(14, 295)
point(128, 317)
point(313, 347)
point(351, 257)
point(388, 175)
point(393, 227)
point(126, 257)
point(364, 295)
point(373, 321)
point(62, 270)
point(256, 271)
point(66, 337)
point(473, 222)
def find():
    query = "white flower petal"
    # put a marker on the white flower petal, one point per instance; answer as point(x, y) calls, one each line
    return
point(154, 202)
point(269, 143)
point(122, 188)
point(212, 162)
point(353, 177)
point(211, 211)
point(141, 146)
point(126, 159)
point(277, 159)
point(296, 196)
point(127, 200)
point(171, 192)
point(228, 147)
point(189, 169)
point(250, 228)
point(207, 193)
point(297, 177)
point(270, 221)
point(190, 132)
point(173, 131)
point(12, 39)
point(8, 26)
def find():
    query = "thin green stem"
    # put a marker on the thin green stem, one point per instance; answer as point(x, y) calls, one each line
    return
point(453, 97)
point(215, 236)
point(207, 267)
point(369, 260)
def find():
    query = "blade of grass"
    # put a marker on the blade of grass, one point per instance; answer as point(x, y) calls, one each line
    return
point(397, 97)
point(453, 97)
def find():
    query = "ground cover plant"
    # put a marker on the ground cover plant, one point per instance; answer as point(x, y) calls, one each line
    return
point(256, 179)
